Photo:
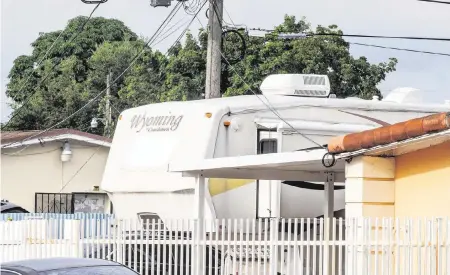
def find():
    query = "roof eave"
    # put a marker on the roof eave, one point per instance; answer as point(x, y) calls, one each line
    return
point(401, 147)
point(39, 140)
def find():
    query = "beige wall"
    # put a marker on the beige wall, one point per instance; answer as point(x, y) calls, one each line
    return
point(39, 169)
point(422, 183)
point(369, 187)
point(415, 184)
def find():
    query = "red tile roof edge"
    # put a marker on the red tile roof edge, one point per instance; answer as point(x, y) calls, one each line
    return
point(389, 134)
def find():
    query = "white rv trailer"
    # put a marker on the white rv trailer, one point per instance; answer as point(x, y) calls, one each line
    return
point(148, 138)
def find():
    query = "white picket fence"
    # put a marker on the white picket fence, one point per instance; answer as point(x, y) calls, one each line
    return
point(275, 246)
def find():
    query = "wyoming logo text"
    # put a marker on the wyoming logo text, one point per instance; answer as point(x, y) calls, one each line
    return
point(155, 123)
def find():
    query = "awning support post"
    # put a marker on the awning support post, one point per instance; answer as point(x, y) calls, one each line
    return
point(200, 228)
point(328, 221)
point(329, 196)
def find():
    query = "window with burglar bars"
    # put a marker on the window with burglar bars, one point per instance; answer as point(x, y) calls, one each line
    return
point(61, 203)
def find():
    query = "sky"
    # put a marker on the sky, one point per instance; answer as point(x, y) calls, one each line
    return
point(23, 20)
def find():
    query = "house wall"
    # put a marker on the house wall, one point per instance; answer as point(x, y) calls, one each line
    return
point(422, 182)
point(39, 169)
point(415, 184)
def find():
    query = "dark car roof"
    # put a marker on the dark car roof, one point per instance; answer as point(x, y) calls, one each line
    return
point(5, 205)
point(57, 263)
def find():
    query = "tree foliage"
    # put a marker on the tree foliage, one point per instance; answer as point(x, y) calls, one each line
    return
point(75, 70)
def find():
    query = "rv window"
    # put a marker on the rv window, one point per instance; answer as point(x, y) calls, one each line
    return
point(268, 146)
point(150, 219)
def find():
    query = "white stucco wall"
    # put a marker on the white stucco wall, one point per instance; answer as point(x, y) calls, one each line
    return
point(39, 169)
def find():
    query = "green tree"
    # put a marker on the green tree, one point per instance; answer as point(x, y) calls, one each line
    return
point(319, 54)
point(75, 72)
point(59, 86)
point(140, 84)
point(185, 71)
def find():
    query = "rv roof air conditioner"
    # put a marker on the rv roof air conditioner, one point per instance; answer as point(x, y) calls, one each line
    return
point(307, 85)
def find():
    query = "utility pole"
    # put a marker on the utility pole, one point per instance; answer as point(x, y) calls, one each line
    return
point(108, 118)
point(214, 56)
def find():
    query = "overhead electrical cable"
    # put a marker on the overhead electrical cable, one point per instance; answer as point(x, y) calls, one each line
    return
point(442, 39)
point(267, 102)
point(169, 19)
point(366, 44)
point(399, 49)
point(192, 6)
point(176, 41)
point(187, 27)
point(172, 32)
point(28, 99)
point(163, 24)
point(81, 167)
point(95, 152)
point(195, 16)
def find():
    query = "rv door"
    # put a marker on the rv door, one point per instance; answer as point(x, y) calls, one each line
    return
point(268, 191)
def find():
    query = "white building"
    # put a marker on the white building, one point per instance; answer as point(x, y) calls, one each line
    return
point(58, 171)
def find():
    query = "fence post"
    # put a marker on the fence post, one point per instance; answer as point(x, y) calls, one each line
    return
point(199, 232)
point(72, 233)
point(273, 245)
point(328, 216)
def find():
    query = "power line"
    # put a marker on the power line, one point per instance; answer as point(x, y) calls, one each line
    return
point(95, 152)
point(298, 35)
point(399, 49)
point(193, 7)
point(172, 32)
point(42, 59)
point(174, 10)
point(81, 168)
point(158, 42)
point(267, 104)
point(383, 36)
point(228, 14)
point(187, 27)
point(173, 44)
point(168, 20)
point(304, 36)
point(54, 43)
point(28, 99)
point(195, 16)
point(260, 29)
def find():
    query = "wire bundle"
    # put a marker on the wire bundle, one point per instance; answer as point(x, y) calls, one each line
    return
point(28, 99)
point(192, 7)
point(152, 40)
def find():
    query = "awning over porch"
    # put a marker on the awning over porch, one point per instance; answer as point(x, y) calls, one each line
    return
point(293, 166)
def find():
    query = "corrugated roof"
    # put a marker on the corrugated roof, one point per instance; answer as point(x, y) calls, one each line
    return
point(9, 137)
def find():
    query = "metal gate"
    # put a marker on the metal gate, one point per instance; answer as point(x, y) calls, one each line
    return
point(61, 203)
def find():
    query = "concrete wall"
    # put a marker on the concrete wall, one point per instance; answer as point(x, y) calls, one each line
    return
point(39, 169)
point(422, 182)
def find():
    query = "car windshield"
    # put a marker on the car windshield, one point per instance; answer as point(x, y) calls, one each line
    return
point(91, 270)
